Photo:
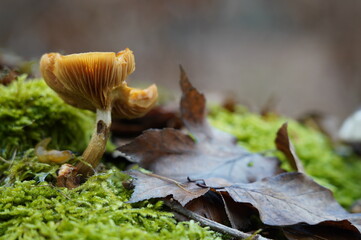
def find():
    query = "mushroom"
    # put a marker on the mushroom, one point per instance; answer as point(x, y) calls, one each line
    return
point(96, 81)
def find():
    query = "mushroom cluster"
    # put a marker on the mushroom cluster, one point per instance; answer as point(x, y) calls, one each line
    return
point(96, 81)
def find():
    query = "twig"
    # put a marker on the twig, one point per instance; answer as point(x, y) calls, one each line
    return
point(212, 224)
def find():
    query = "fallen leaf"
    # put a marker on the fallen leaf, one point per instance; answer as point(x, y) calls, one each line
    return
point(148, 186)
point(210, 206)
point(241, 215)
point(7, 75)
point(355, 219)
point(290, 199)
point(284, 144)
point(175, 155)
point(197, 199)
point(342, 230)
point(188, 167)
point(193, 109)
point(212, 155)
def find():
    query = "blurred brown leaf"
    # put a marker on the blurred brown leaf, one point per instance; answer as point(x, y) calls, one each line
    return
point(284, 144)
point(159, 117)
point(7, 75)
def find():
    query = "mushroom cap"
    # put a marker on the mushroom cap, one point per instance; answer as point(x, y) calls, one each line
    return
point(96, 80)
point(133, 102)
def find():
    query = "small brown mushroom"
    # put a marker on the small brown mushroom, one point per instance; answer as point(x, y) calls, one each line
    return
point(96, 81)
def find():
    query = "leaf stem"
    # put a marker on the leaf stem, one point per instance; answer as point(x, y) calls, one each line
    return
point(169, 180)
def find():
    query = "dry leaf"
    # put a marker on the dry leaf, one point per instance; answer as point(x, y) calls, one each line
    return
point(213, 155)
point(327, 230)
point(289, 199)
point(240, 215)
point(159, 117)
point(148, 185)
point(209, 206)
point(284, 144)
point(188, 169)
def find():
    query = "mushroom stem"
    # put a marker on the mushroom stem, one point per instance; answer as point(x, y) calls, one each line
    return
point(96, 146)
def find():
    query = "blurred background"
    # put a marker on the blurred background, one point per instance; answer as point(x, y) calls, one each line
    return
point(304, 55)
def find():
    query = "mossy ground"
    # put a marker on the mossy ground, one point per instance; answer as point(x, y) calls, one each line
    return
point(35, 209)
point(257, 133)
point(32, 208)
point(30, 111)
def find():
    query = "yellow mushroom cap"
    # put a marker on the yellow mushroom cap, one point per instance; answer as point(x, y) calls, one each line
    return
point(94, 80)
point(133, 102)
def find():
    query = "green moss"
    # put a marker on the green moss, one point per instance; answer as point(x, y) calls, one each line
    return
point(95, 210)
point(257, 134)
point(32, 208)
point(30, 111)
